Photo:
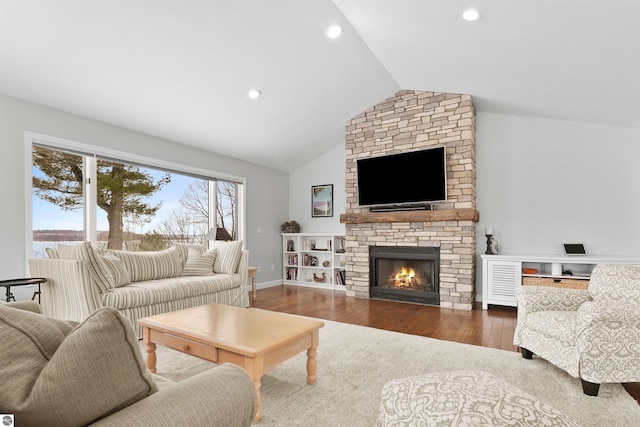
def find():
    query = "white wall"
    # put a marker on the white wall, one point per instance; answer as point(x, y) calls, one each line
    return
point(544, 182)
point(267, 196)
point(540, 182)
point(326, 169)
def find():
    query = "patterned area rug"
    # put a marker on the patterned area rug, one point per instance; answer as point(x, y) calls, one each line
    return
point(355, 362)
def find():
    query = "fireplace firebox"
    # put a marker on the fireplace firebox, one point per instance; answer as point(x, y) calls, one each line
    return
point(405, 273)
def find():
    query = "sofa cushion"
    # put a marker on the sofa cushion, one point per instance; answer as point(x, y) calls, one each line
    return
point(199, 264)
point(183, 249)
point(151, 292)
point(58, 376)
point(32, 306)
point(100, 273)
point(151, 265)
point(228, 258)
point(556, 325)
point(120, 273)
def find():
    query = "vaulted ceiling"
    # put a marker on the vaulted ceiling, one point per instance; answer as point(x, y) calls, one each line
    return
point(181, 69)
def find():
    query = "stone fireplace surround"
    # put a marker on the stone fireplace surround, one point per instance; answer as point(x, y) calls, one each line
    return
point(410, 121)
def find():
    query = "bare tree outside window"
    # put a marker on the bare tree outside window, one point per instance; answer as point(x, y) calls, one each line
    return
point(227, 207)
point(191, 222)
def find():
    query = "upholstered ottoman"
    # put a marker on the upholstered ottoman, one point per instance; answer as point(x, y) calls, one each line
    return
point(462, 398)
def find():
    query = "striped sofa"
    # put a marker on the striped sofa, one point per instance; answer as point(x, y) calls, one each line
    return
point(82, 279)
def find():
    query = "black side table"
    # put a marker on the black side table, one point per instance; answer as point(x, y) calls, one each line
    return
point(22, 282)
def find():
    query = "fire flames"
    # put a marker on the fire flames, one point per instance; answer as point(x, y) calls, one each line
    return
point(404, 277)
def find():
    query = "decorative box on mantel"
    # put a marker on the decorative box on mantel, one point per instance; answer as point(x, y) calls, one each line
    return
point(410, 121)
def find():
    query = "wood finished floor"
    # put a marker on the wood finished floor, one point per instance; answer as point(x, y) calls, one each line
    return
point(488, 328)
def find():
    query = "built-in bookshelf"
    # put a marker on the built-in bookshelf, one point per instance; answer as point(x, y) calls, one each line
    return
point(315, 260)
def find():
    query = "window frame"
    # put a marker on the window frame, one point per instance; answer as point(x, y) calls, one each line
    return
point(85, 149)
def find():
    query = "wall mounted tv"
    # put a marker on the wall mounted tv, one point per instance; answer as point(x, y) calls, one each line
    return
point(405, 179)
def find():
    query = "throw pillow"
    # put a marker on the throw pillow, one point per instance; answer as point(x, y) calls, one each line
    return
point(151, 265)
point(199, 265)
point(56, 376)
point(228, 258)
point(52, 253)
point(116, 266)
point(100, 273)
point(184, 248)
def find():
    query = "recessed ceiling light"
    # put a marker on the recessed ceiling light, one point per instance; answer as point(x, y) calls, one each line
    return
point(471, 15)
point(254, 93)
point(334, 31)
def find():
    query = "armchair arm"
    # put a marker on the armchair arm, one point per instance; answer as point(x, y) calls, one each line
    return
point(624, 315)
point(608, 345)
point(243, 266)
point(69, 292)
point(223, 396)
point(243, 270)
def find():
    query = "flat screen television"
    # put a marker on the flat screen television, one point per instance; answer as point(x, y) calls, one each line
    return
point(413, 178)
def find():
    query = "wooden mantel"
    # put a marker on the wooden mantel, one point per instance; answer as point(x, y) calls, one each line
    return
point(411, 216)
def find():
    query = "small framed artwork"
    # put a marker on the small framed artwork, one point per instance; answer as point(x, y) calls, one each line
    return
point(322, 200)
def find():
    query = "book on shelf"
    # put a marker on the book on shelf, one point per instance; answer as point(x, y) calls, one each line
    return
point(292, 273)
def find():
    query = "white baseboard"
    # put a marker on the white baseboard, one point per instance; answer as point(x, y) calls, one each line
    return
point(264, 285)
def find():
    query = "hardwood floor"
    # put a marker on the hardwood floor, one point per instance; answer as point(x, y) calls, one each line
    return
point(488, 328)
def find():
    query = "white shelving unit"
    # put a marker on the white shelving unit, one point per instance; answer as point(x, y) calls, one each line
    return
point(502, 274)
point(313, 260)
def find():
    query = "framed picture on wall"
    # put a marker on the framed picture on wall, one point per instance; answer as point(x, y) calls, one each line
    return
point(322, 200)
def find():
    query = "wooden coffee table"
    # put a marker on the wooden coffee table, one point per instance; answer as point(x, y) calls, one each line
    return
point(254, 339)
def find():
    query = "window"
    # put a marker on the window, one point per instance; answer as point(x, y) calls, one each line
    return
point(119, 204)
point(55, 217)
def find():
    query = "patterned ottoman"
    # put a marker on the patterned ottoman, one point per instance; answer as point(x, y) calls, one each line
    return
point(462, 398)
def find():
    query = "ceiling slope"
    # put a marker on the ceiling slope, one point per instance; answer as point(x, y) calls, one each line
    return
point(181, 70)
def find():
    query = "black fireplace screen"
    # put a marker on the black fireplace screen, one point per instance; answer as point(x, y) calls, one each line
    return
point(405, 273)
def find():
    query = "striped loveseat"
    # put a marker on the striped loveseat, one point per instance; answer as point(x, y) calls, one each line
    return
point(81, 279)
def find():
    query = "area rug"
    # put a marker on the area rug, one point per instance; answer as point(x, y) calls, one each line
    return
point(354, 363)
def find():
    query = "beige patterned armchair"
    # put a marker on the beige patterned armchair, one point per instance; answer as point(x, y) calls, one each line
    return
point(592, 334)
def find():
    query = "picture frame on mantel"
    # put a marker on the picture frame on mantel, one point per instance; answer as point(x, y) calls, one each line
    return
point(322, 200)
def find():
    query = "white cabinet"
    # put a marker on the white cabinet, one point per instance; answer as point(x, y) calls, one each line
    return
point(314, 260)
point(503, 275)
point(501, 280)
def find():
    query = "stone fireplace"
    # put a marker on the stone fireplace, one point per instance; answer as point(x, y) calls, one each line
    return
point(409, 121)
